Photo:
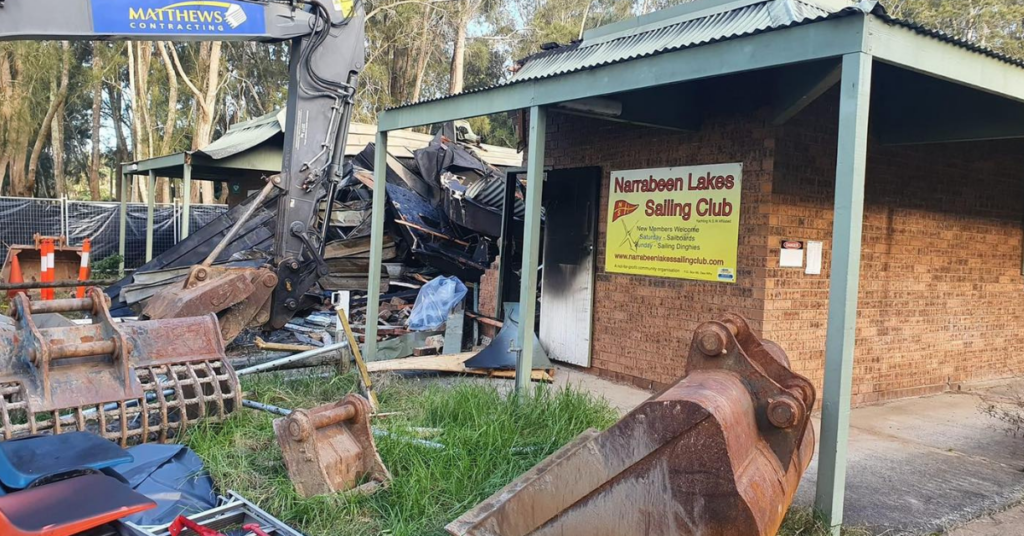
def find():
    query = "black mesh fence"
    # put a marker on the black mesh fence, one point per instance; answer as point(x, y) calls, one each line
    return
point(22, 218)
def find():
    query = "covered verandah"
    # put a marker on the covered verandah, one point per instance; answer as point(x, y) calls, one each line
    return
point(935, 90)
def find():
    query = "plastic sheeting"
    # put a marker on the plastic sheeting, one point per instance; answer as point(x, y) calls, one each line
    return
point(435, 302)
point(171, 475)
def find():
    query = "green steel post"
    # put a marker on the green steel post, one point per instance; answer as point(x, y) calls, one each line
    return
point(380, 168)
point(531, 246)
point(843, 284)
point(186, 199)
point(125, 193)
point(151, 208)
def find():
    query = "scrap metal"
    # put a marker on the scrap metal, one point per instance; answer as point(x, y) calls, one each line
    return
point(131, 382)
point(719, 453)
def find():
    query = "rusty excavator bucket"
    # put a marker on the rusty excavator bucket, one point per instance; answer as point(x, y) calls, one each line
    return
point(240, 297)
point(131, 382)
point(720, 453)
point(330, 448)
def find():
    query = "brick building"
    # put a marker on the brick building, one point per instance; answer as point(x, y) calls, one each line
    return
point(940, 268)
point(895, 149)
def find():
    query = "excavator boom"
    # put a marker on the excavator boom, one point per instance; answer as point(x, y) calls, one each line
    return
point(327, 54)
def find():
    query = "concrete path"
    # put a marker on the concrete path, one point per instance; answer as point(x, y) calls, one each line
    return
point(924, 465)
point(916, 466)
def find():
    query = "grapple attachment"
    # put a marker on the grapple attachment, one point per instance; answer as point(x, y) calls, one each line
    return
point(133, 382)
point(330, 448)
point(720, 453)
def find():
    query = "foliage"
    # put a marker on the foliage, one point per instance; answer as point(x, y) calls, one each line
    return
point(107, 268)
point(412, 52)
point(490, 439)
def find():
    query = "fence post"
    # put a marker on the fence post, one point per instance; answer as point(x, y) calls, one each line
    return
point(124, 221)
point(151, 208)
point(186, 199)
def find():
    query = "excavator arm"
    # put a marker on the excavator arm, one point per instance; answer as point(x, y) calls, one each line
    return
point(327, 54)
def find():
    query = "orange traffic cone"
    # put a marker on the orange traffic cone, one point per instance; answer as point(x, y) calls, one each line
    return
point(16, 276)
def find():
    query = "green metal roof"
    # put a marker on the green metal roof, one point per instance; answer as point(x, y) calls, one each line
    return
point(243, 136)
point(683, 26)
point(695, 24)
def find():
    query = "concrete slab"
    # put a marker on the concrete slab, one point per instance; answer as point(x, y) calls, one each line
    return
point(924, 465)
point(1006, 523)
point(916, 466)
point(621, 396)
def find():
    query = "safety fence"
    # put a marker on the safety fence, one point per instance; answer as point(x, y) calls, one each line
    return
point(22, 218)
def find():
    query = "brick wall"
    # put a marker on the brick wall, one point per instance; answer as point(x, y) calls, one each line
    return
point(643, 325)
point(941, 292)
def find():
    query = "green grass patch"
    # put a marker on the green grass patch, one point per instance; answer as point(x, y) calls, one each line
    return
point(490, 440)
point(802, 522)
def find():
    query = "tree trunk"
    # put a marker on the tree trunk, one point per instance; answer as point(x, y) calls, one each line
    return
point(423, 54)
point(136, 155)
point(209, 62)
point(172, 114)
point(458, 71)
point(6, 113)
point(57, 148)
point(116, 102)
point(55, 104)
point(97, 111)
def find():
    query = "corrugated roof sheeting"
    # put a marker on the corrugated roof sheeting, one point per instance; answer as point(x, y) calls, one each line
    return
point(244, 136)
point(746, 20)
point(735, 19)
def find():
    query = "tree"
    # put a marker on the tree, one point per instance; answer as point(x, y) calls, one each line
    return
point(97, 121)
point(56, 101)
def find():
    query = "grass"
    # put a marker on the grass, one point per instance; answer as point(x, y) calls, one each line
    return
point(802, 522)
point(491, 439)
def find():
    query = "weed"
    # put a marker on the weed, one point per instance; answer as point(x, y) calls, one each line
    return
point(802, 522)
point(490, 440)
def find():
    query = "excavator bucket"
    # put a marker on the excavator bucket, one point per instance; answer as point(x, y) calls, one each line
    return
point(240, 297)
point(720, 453)
point(131, 382)
point(66, 260)
point(330, 448)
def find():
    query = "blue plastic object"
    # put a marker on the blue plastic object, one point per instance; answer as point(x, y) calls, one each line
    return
point(23, 461)
point(435, 302)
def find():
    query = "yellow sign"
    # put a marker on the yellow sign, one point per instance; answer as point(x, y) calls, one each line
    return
point(679, 222)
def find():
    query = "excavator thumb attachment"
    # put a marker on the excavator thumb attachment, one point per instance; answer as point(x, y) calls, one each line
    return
point(720, 453)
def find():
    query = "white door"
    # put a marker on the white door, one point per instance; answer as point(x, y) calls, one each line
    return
point(567, 282)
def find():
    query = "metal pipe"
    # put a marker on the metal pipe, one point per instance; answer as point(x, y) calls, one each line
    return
point(233, 232)
point(67, 283)
point(341, 414)
point(266, 407)
point(84, 349)
point(271, 365)
point(61, 306)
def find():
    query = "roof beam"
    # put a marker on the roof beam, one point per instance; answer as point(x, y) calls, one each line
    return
point(904, 47)
point(799, 86)
point(674, 107)
point(808, 42)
